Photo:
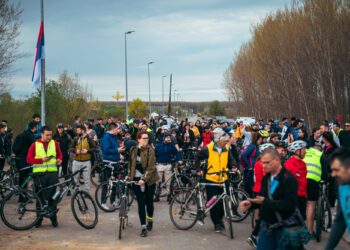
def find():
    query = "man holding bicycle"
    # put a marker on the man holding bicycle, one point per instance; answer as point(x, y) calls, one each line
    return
point(164, 152)
point(111, 154)
point(45, 155)
point(219, 158)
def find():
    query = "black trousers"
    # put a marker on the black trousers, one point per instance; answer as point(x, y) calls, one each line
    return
point(301, 204)
point(2, 163)
point(64, 165)
point(45, 180)
point(333, 191)
point(145, 200)
point(21, 162)
point(217, 212)
point(107, 173)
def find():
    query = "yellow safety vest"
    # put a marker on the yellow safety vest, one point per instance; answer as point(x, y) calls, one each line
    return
point(216, 163)
point(238, 133)
point(129, 121)
point(312, 160)
point(49, 166)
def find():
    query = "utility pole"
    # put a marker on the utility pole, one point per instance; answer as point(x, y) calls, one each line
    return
point(126, 78)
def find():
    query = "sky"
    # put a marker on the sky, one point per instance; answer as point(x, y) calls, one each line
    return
point(195, 40)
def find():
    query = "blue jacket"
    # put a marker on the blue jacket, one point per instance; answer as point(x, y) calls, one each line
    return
point(109, 147)
point(247, 154)
point(164, 151)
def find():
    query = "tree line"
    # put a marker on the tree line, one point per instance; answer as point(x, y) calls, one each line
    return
point(297, 63)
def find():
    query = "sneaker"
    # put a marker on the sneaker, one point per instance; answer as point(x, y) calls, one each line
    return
point(149, 225)
point(252, 241)
point(116, 204)
point(156, 199)
point(104, 206)
point(222, 225)
point(218, 228)
point(143, 232)
point(69, 193)
point(54, 221)
point(328, 229)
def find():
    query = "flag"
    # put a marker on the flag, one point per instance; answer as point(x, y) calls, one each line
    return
point(40, 54)
point(338, 118)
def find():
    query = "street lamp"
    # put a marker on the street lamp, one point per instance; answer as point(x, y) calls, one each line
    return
point(163, 90)
point(149, 90)
point(126, 77)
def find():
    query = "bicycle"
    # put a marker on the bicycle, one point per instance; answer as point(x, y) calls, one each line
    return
point(109, 192)
point(323, 215)
point(22, 209)
point(187, 205)
point(177, 181)
point(96, 173)
point(123, 209)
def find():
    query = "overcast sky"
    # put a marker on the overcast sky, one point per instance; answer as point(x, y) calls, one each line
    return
point(195, 40)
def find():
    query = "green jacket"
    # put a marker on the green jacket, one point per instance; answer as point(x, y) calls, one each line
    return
point(148, 161)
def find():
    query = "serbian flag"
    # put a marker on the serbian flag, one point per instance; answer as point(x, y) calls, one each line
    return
point(40, 54)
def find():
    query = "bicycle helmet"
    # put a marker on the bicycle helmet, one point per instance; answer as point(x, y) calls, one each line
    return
point(264, 146)
point(165, 127)
point(264, 133)
point(296, 145)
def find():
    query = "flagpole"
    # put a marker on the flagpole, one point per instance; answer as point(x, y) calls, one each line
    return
point(42, 78)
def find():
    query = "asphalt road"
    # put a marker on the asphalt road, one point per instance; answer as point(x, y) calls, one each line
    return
point(104, 236)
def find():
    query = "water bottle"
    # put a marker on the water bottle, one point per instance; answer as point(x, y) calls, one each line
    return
point(142, 187)
point(56, 195)
point(211, 201)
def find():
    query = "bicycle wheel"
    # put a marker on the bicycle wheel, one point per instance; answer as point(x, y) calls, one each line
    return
point(6, 181)
point(96, 174)
point(180, 183)
point(184, 209)
point(20, 209)
point(112, 196)
point(327, 223)
point(122, 217)
point(84, 209)
point(229, 215)
point(236, 197)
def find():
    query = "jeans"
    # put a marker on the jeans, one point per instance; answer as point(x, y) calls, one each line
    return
point(271, 242)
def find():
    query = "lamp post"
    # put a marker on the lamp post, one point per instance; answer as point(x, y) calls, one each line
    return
point(149, 90)
point(126, 77)
point(174, 104)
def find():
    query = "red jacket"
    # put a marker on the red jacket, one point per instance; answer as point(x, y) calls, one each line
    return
point(31, 153)
point(259, 172)
point(298, 169)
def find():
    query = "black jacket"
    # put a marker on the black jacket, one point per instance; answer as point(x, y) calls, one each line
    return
point(99, 131)
point(284, 198)
point(64, 141)
point(344, 138)
point(22, 143)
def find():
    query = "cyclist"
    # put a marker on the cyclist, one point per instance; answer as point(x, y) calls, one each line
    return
point(134, 128)
point(64, 141)
point(218, 158)
point(207, 136)
point(36, 119)
point(83, 147)
point(111, 154)
point(340, 165)
point(344, 135)
point(142, 168)
point(3, 147)
point(297, 167)
point(259, 173)
point(314, 139)
point(164, 152)
point(45, 155)
point(312, 160)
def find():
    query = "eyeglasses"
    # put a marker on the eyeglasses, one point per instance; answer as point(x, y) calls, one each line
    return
point(145, 138)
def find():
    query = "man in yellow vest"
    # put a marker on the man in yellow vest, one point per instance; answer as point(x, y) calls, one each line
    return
point(219, 158)
point(312, 160)
point(45, 155)
point(83, 147)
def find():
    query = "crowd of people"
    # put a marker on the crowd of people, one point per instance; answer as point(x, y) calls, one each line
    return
point(281, 165)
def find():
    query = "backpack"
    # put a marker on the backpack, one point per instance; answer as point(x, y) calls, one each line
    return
point(250, 157)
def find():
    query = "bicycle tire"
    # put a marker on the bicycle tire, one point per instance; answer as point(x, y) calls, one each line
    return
point(109, 190)
point(96, 174)
point(228, 205)
point(12, 201)
point(82, 197)
point(184, 199)
point(122, 217)
point(236, 196)
point(319, 215)
point(329, 213)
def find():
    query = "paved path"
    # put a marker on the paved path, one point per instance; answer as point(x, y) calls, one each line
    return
point(164, 235)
